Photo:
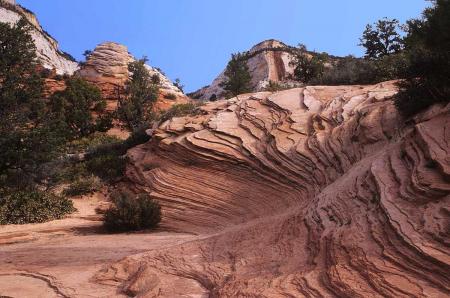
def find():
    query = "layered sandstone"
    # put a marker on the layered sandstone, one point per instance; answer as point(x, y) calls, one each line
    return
point(107, 67)
point(47, 49)
point(269, 60)
point(309, 192)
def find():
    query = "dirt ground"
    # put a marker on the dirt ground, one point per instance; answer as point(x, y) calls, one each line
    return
point(55, 258)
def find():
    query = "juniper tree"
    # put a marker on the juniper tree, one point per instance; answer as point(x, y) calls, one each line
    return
point(76, 105)
point(141, 90)
point(382, 38)
point(29, 134)
point(427, 46)
point(237, 75)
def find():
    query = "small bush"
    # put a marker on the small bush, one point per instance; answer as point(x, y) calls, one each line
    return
point(109, 167)
point(180, 110)
point(274, 87)
point(81, 187)
point(170, 96)
point(132, 213)
point(90, 142)
point(33, 207)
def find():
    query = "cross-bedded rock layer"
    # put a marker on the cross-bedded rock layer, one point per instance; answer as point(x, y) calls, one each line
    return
point(107, 67)
point(311, 192)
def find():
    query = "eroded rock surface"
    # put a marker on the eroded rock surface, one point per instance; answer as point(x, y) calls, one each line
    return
point(107, 67)
point(269, 60)
point(309, 192)
point(47, 50)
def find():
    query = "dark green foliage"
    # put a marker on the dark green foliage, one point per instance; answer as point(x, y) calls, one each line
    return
point(180, 110)
point(75, 106)
point(119, 148)
point(109, 167)
point(382, 39)
point(178, 84)
point(65, 172)
point(87, 54)
point(82, 186)
point(237, 75)
point(274, 87)
point(308, 66)
point(170, 96)
point(132, 213)
point(29, 134)
point(32, 206)
point(141, 92)
point(350, 70)
point(427, 77)
point(90, 142)
point(156, 79)
point(213, 97)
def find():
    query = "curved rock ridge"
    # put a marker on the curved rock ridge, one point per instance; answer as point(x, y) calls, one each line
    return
point(269, 61)
point(47, 48)
point(309, 192)
point(107, 67)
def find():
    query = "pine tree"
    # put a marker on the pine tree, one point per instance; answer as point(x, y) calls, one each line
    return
point(237, 75)
point(383, 39)
point(135, 111)
point(427, 77)
point(308, 66)
point(29, 134)
point(76, 105)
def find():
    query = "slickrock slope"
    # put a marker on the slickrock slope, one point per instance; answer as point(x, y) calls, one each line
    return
point(107, 67)
point(269, 61)
point(309, 192)
point(47, 49)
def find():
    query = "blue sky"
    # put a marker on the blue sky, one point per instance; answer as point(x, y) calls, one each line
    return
point(193, 39)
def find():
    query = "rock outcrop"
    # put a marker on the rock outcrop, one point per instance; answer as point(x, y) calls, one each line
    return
point(269, 61)
point(308, 192)
point(47, 48)
point(107, 67)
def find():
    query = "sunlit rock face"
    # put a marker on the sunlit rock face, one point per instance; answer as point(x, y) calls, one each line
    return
point(47, 48)
point(269, 60)
point(107, 68)
point(308, 192)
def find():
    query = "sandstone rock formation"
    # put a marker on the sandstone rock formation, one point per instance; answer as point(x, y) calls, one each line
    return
point(47, 47)
point(309, 192)
point(107, 67)
point(269, 61)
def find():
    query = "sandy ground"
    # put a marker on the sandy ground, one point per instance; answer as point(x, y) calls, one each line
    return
point(59, 258)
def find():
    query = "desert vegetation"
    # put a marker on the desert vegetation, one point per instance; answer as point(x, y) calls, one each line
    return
point(141, 92)
point(132, 212)
point(238, 76)
point(56, 148)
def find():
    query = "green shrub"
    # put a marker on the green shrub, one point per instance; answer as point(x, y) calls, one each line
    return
point(427, 76)
point(180, 110)
point(109, 167)
point(132, 213)
point(81, 187)
point(273, 86)
point(170, 96)
point(141, 93)
point(351, 71)
point(308, 66)
point(75, 104)
point(90, 142)
point(33, 206)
